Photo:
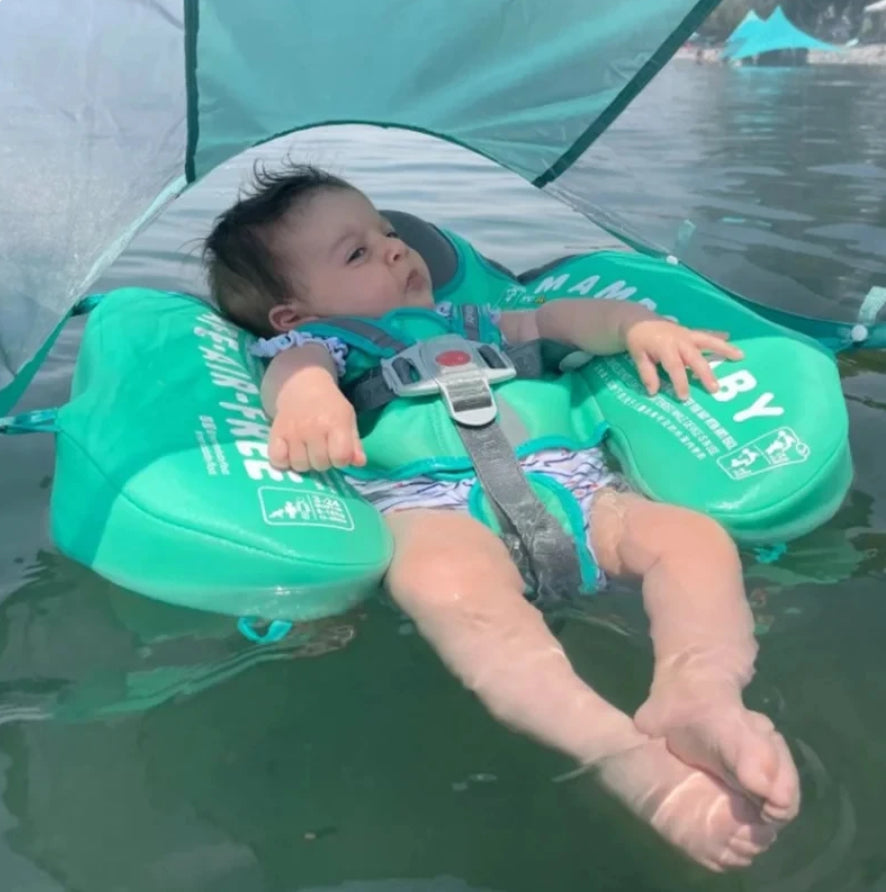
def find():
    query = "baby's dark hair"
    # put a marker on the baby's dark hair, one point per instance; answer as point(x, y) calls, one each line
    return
point(245, 278)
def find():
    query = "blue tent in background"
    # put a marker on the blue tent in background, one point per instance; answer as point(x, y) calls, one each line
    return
point(755, 36)
point(745, 29)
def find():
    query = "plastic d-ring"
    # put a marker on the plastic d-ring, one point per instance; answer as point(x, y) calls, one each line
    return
point(275, 631)
point(769, 554)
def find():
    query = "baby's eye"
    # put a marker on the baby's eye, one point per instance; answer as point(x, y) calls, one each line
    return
point(392, 233)
point(356, 254)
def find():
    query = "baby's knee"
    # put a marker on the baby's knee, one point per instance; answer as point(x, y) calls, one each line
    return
point(689, 537)
point(696, 530)
point(631, 533)
point(447, 561)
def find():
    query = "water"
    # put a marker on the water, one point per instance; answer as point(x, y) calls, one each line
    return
point(143, 748)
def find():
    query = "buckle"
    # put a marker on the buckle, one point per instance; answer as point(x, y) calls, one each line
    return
point(461, 370)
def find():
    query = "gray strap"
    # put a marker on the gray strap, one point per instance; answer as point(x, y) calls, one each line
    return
point(369, 392)
point(538, 543)
point(368, 331)
point(470, 319)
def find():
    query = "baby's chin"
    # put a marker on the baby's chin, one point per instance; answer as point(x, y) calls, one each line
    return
point(421, 298)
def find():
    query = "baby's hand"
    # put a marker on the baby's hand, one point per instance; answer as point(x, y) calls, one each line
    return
point(315, 427)
point(654, 342)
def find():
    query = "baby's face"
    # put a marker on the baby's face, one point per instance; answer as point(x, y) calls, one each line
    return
point(346, 259)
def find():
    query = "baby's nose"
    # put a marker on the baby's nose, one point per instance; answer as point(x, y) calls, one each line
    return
point(397, 249)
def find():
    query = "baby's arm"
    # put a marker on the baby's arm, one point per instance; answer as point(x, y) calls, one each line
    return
point(314, 426)
point(603, 327)
point(597, 326)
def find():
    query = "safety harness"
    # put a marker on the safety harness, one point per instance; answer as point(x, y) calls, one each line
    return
point(463, 370)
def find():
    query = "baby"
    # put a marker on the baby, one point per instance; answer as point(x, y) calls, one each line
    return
point(712, 777)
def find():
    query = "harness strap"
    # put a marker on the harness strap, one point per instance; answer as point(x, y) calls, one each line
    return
point(542, 550)
point(470, 320)
point(366, 331)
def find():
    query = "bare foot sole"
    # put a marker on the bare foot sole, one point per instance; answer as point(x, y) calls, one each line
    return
point(712, 823)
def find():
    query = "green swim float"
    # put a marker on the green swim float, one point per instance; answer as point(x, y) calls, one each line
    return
point(163, 486)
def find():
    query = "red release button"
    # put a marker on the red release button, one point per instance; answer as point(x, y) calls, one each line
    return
point(452, 357)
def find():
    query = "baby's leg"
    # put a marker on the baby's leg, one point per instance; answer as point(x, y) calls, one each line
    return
point(455, 579)
point(703, 641)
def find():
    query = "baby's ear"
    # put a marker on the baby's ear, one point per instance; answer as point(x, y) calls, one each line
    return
point(285, 317)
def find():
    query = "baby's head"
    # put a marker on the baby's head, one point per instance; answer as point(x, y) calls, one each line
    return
point(306, 245)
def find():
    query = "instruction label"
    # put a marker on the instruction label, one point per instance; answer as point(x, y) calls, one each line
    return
point(777, 449)
point(286, 506)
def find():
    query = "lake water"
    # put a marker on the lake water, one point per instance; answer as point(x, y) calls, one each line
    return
point(146, 748)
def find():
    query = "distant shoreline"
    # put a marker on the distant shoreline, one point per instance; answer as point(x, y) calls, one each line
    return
point(868, 54)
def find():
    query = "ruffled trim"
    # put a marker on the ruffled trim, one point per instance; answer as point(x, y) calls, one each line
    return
point(268, 348)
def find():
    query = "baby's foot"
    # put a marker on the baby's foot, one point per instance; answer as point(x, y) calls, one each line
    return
point(710, 728)
point(711, 823)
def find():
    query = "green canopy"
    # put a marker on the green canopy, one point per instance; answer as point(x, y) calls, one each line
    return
point(111, 108)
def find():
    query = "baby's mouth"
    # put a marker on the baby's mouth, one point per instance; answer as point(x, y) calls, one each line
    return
point(414, 281)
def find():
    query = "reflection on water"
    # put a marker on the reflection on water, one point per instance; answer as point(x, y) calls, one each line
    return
point(786, 189)
point(146, 748)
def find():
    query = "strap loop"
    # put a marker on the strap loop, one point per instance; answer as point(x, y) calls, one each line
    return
point(275, 631)
point(86, 304)
point(40, 421)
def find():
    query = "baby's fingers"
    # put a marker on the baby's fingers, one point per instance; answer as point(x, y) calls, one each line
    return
point(701, 369)
point(339, 445)
point(344, 447)
point(287, 451)
point(359, 458)
point(675, 365)
point(278, 452)
point(713, 343)
point(648, 372)
point(318, 453)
